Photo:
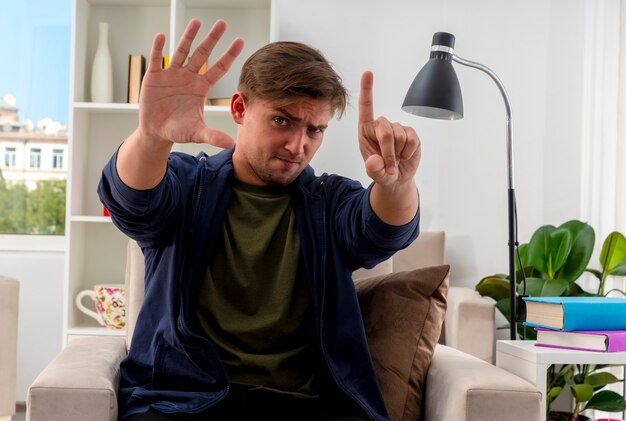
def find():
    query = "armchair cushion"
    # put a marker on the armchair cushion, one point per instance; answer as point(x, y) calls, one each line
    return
point(403, 313)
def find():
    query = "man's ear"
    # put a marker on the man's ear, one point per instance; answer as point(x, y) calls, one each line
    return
point(238, 107)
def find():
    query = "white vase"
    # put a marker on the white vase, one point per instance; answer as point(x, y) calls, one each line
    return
point(102, 69)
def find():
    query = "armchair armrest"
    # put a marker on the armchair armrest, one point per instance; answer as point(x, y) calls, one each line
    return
point(83, 379)
point(470, 323)
point(462, 387)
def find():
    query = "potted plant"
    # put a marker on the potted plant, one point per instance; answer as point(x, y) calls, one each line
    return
point(552, 261)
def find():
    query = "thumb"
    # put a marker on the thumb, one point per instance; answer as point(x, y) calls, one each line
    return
point(375, 168)
point(214, 137)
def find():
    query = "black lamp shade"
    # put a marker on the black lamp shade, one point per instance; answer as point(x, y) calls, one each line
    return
point(435, 92)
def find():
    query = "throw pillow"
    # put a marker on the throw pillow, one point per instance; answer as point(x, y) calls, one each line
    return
point(403, 313)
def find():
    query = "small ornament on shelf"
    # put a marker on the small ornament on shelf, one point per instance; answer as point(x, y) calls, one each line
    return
point(102, 68)
point(110, 303)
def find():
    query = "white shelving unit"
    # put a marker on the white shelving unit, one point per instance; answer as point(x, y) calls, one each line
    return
point(96, 250)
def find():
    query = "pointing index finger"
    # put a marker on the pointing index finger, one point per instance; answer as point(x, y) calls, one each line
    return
point(366, 98)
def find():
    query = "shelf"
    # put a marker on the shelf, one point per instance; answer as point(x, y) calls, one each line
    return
point(97, 219)
point(95, 331)
point(230, 4)
point(118, 107)
point(114, 107)
point(163, 3)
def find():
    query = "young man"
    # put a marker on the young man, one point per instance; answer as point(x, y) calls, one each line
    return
point(250, 311)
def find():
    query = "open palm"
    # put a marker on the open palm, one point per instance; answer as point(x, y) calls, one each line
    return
point(171, 102)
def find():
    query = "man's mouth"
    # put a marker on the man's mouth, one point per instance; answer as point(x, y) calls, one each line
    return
point(293, 161)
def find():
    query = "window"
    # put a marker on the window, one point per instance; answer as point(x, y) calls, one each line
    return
point(34, 99)
point(57, 158)
point(35, 158)
point(9, 157)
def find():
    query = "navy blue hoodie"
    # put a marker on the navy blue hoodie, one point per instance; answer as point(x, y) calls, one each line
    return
point(172, 365)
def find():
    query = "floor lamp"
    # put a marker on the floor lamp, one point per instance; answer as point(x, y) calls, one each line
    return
point(436, 93)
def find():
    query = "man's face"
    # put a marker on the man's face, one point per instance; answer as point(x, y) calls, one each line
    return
point(275, 143)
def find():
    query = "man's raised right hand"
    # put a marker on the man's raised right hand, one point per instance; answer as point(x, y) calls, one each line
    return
point(171, 106)
point(171, 102)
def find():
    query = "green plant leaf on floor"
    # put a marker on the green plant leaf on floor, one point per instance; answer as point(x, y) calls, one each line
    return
point(554, 393)
point(613, 251)
point(619, 269)
point(582, 391)
point(539, 248)
point(537, 287)
point(601, 379)
point(496, 287)
point(583, 240)
point(608, 401)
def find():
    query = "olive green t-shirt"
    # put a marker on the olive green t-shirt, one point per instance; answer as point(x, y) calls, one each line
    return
point(255, 303)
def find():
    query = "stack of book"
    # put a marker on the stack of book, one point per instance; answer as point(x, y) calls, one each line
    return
point(584, 323)
point(136, 70)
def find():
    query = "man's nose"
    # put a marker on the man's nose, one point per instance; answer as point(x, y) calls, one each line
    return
point(295, 144)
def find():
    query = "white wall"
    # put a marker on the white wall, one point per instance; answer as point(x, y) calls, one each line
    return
point(534, 46)
point(38, 264)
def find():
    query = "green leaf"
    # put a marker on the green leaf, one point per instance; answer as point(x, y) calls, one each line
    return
point(538, 248)
point(560, 247)
point(565, 372)
point(536, 287)
point(599, 380)
point(523, 255)
point(583, 241)
point(526, 332)
point(554, 393)
point(613, 251)
point(619, 269)
point(504, 307)
point(602, 366)
point(582, 392)
point(493, 286)
point(607, 401)
point(555, 287)
point(576, 290)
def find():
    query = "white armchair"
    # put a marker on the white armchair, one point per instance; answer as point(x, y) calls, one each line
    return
point(82, 384)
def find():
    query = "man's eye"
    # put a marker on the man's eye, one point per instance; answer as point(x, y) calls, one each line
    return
point(315, 130)
point(280, 121)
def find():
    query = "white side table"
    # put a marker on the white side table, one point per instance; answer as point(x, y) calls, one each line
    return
point(531, 362)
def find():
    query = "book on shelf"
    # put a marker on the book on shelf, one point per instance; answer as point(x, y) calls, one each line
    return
point(576, 313)
point(136, 70)
point(584, 340)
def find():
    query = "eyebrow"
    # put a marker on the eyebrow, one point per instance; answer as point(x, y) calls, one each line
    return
point(298, 119)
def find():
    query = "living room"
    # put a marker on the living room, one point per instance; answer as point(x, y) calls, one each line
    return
point(559, 60)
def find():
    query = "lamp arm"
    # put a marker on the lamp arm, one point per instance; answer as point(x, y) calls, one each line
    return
point(512, 216)
point(507, 105)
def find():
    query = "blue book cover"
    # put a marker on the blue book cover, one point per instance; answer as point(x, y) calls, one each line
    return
point(576, 313)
